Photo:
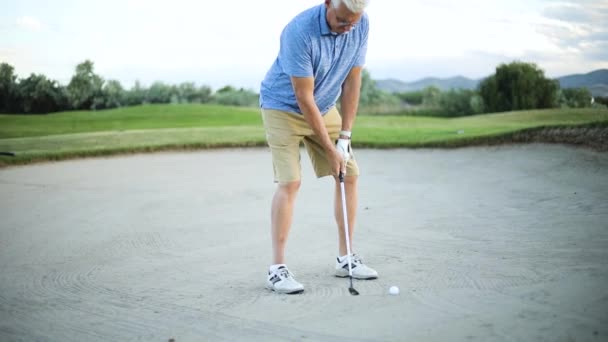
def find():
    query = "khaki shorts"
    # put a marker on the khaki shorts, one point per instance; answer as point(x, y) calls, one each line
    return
point(284, 133)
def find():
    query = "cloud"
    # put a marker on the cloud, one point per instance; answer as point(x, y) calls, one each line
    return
point(29, 23)
point(577, 28)
point(568, 12)
point(188, 40)
point(7, 54)
point(598, 50)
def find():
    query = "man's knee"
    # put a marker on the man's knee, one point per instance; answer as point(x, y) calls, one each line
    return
point(289, 188)
point(351, 179)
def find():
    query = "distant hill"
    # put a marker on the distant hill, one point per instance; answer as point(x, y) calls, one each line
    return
point(596, 81)
point(599, 90)
point(458, 82)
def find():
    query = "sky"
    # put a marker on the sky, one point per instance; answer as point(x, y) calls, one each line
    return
point(218, 43)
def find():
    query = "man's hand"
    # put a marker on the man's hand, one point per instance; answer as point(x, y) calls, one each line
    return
point(343, 148)
point(336, 163)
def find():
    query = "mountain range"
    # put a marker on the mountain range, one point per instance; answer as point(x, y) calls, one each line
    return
point(596, 81)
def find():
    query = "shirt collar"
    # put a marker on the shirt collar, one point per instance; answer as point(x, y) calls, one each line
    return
point(325, 30)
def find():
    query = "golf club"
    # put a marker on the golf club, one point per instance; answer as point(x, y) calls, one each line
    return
point(351, 289)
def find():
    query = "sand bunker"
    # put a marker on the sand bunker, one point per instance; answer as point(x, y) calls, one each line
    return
point(492, 243)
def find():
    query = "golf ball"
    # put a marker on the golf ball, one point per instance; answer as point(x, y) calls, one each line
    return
point(394, 290)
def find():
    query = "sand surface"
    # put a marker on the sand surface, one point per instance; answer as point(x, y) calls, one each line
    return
point(489, 244)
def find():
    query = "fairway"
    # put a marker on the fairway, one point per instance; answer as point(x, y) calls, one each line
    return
point(175, 127)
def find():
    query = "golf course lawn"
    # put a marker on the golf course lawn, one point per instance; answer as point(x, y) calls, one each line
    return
point(161, 127)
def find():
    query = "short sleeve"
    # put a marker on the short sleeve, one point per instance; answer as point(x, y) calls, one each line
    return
point(360, 61)
point(295, 53)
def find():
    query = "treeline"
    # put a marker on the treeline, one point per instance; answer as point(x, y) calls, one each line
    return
point(514, 86)
point(89, 91)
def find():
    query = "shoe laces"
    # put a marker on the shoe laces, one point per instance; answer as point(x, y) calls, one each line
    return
point(284, 273)
point(354, 260)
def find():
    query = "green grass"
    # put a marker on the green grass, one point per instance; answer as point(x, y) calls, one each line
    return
point(161, 127)
point(408, 131)
point(128, 118)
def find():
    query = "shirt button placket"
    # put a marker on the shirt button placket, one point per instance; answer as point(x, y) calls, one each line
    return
point(337, 46)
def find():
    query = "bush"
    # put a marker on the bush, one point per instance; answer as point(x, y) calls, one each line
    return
point(411, 98)
point(37, 95)
point(229, 96)
point(575, 98)
point(601, 100)
point(456, 102)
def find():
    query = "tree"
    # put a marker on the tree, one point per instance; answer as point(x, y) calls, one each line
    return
point(412, 98)
point(8, 88)
point(160, 92)
point(476, 103)
point(230, 96)
point(488, 90)
point(204, 94)
point(113, 94)
point(226, 90)
point(575, 97)
point(456, 102)
point(431, 96)
point(370, 95)
point(136, 96)
point(601, 100)
point(518, 86)
point(187, 93)
point(85, 87)
point(40, 95)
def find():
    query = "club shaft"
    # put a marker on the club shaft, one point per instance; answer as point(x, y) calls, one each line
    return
point(346, 229)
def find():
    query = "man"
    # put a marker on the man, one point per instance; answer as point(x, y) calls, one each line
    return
point(321, 56)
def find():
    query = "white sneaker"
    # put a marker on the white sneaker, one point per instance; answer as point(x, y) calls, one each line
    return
point(360, 270)
point(282, 281)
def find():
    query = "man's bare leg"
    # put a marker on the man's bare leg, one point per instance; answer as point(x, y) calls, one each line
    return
point(359, 270)
point(281, 218)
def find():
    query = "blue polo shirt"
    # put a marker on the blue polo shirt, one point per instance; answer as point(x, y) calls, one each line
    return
point(309, 48)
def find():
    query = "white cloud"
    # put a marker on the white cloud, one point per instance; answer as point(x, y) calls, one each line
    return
point(236, 41)
point(29, 23)
point(441, 31)
point(577, 28)
point(7, 55)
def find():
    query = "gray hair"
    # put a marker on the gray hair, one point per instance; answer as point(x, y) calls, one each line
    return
point(355, 6)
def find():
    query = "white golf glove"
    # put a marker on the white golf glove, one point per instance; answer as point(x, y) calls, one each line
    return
point(343, 146)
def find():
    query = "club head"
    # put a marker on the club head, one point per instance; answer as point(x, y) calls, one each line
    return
point(353, 291)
